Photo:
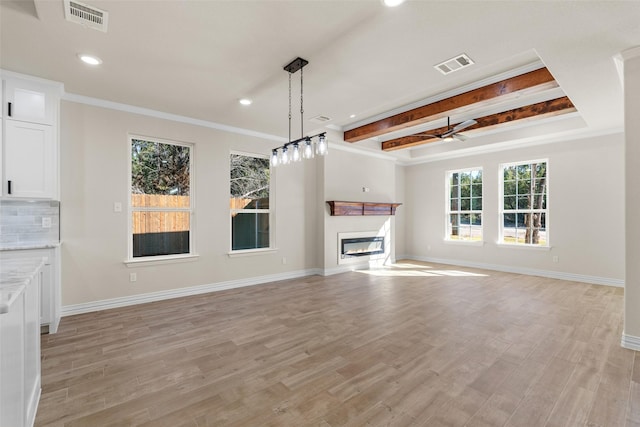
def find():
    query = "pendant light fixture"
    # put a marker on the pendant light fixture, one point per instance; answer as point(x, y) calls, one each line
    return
point(304, 147)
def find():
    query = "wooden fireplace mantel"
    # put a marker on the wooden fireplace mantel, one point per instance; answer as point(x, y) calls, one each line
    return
point(339, 208)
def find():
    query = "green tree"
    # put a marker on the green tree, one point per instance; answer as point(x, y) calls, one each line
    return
point(249, 177)
point(158, 168)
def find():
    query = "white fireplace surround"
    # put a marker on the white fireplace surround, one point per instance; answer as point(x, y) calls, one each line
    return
point(372, 260)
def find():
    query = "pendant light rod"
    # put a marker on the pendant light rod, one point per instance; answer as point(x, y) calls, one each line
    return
point(295, 65)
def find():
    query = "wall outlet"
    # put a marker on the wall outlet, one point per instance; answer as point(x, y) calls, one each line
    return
point(365, 189)
point(117, 207)
point(46, 222)
point(556, 259)
point(133, 277)
point(284, 260)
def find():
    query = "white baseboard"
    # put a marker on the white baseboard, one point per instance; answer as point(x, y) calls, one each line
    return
point(631, 342)
point(70, 310)
point(344, 269)
point(594, 280)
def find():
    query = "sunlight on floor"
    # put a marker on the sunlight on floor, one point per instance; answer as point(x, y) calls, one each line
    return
point(404, 269)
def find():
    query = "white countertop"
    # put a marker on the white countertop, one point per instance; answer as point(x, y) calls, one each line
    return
point(15, 274)
point(25, 246)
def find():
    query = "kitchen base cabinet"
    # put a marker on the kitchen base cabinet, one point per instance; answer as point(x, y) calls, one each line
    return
point(50, 286)
point(20, 377)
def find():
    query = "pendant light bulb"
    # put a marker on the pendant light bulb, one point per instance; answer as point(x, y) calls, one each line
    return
point(285, 156)
point(274, 158)
point(308, 149)
point(322, 145)
point(296, 153)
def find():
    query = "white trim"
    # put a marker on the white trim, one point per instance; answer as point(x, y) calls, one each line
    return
point(631, 342)
point(344, 269)
point(160, 260)
point(514, 144)
point(88, 307)
point(464, 242)
point(536, 65)
point(377, 154)
point(525, 246)
point(251, 252)
point(5, 74)
point(96, 102)
point(561, 275)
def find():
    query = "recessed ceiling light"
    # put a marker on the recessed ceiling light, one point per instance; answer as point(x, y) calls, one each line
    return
point(89, 59)
point(392, 3)
point(245, 101)
point(352, 116)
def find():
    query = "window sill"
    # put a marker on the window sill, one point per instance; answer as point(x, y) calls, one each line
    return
point(160, 260)
point(251, 252)
point(523, 246)
point(464, 242)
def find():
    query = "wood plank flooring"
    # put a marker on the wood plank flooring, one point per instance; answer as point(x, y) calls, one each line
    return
point(413, 345)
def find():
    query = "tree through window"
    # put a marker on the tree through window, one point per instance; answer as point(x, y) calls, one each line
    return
point(464, 205)
point(249, 202)
point(524, 203)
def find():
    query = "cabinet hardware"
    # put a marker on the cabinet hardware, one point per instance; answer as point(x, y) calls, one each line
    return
point(9, 109)
point(9, 186)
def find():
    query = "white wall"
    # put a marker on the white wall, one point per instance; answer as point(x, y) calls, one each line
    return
point(586, 211)
point(94, 162)
point(345, 174)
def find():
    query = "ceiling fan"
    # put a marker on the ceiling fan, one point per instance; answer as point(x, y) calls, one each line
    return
point(452, 132)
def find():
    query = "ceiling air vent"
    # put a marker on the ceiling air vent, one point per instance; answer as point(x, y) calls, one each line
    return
point(83, 14)
point(454, 64)
point(319, 119)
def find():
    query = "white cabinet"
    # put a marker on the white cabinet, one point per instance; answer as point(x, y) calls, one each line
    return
point(49, 284)
point(29, 160)
point(30, 101)
point(29, 155)
point(20, 377)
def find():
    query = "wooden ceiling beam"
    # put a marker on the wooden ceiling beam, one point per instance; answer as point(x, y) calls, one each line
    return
point(531, 82)
point(549, 108)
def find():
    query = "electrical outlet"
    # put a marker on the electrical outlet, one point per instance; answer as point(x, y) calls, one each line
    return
point(284, 260)
point(133, 277)
point(556, 258)
point(46, 222)
point(117, 207)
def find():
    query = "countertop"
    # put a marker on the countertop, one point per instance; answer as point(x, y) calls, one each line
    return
point(15, 274)
point(25, 246)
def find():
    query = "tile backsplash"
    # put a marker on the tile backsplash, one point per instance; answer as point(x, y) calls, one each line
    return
point(21, 222)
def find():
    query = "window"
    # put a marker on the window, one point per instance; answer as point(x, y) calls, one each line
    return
point(524, 203)
point(464, 205)
point(249, 202)
point(161, 205)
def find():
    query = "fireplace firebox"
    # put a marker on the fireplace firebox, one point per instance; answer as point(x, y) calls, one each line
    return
point(361, 246)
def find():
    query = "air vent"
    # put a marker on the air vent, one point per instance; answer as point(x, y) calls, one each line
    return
point(454, 64)
point(319, 119)
point(83, 14)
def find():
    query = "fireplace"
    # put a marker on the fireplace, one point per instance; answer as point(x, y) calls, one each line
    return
point(361, 246)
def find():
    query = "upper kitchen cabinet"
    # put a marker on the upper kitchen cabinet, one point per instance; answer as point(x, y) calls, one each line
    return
point(28, 101)
point(29, 155)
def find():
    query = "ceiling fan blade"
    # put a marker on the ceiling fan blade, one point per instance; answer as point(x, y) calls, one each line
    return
point(463, 125)
point(429, 135)
point(460, 137)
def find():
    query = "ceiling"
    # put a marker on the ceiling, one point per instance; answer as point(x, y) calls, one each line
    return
point(198, 58)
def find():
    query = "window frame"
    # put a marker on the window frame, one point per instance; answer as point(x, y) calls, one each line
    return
point(449, 212)
point(502, 211)
point(255, 251)
point(159, 259)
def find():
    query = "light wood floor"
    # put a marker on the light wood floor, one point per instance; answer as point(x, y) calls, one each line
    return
point(416, 345)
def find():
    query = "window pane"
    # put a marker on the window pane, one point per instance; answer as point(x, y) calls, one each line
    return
point(476, 204)
point(476, 219)
point(524, 202)
point(541, 170)
point(540, 185)
point(509, 173)
point(465, 178)
point(524, 186)
point(465, 219)
point(465, 191)
point(454, 178)
point(464, 233)
point(160, 233)
point(454, 205)
point(159, 169)
point(465, 204)
point(539, 201)
point(476, 176)
point(249, 182)
point(524, 171)
point(476, 190)
point(454, 191)
point(249, 231)
point(509, 228)
point(509, 188)
point(509, 202)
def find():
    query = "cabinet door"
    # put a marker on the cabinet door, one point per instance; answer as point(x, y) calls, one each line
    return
point(12, 365)
point(29, 101)
point(29, 160)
